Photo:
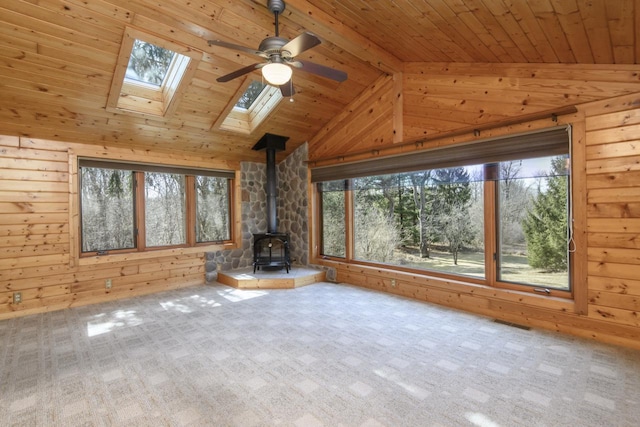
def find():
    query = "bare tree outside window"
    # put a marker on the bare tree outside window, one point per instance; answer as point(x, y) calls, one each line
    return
point(503, 222)
point(212, 209)
point(165, 214)
point(422, 198)
point(333, 219)
point(431, 219)
point(376, 234)
point(110, 206)
point(106, 209)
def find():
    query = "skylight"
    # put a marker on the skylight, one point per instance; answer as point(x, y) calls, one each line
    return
point(149, 63)
point(254, 104)
point(250, 95)
point(151, 75)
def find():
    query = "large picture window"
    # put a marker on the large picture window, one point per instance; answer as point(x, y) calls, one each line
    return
point(127, 207)
point(429, 219)
point(497, 213)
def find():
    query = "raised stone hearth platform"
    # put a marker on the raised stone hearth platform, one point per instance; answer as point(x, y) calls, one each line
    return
point(264, 279)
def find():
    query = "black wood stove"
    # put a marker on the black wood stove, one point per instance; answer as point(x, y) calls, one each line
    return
point(271, 249)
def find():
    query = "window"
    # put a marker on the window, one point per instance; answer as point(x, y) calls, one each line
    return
point(498, 213)
point(151, 74)
point(212, 209)
point(253, 106)
point(332, 199)
point(431, 219)
point(127, 207)
point(107, 212)
point(165, 210)
point(532, 222)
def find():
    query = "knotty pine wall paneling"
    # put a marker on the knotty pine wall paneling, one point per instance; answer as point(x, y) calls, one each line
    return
point(613, 210)
point(39, 227)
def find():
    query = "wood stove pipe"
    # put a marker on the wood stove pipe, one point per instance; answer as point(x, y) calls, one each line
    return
point(272, 192)
point(272, 143)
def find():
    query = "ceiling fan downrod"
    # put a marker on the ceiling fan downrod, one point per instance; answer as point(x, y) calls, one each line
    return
point(276, 7)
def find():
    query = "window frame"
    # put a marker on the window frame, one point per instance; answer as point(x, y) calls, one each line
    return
point(491, 191)
point(229, 214)
point(138, 170)
point(139, 98)
point(248, 121)
point(490, 235)
point(321, 222)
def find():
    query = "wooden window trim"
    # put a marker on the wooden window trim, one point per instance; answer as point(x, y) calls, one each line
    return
point(140, 206)
point(146, 100)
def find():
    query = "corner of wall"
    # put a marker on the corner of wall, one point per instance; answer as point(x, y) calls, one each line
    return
point(292, 212)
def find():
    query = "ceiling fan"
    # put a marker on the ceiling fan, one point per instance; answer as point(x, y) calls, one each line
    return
point(280, 56)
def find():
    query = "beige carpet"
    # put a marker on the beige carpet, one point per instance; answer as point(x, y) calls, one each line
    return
point(321, 355)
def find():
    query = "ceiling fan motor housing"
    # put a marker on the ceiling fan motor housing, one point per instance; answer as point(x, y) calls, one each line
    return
point(272, 45)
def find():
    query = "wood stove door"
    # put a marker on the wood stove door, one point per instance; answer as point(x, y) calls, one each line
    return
point(270, 252)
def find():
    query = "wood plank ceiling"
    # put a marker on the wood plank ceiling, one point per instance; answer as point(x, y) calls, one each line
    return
point(57, 58)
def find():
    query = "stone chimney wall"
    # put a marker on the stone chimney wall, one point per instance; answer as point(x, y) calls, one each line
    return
point(293, 204)
point(292, 213)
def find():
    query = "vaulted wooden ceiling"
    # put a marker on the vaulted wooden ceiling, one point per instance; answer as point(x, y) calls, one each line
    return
point(58, 57)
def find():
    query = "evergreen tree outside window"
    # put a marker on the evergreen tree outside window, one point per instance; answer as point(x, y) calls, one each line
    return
point(533, 213)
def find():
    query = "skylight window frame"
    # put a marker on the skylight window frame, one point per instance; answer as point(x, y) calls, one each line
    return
point(247, 121)
point(140, 98)
point(265, 86)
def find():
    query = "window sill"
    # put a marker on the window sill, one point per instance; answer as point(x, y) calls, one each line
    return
point(421, 283)
point(159, 253)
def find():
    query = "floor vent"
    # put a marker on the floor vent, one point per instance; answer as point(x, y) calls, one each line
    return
point(515, 325)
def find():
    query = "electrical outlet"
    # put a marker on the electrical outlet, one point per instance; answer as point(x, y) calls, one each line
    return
point(107, 284)
point(17, 297)
point(393, 283)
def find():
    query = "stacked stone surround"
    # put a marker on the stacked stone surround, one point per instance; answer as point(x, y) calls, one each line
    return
point(293, 204)
point(292, 199)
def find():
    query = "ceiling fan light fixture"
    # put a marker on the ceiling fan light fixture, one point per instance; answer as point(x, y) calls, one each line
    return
point(276, 73)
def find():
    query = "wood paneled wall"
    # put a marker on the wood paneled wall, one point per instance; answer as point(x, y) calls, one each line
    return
point(613, 210)
point(38, 232)
point(606, 164)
